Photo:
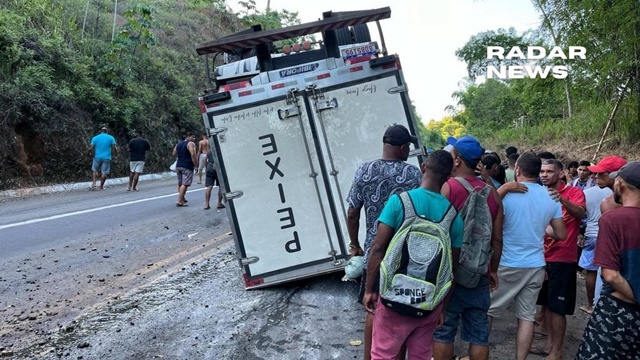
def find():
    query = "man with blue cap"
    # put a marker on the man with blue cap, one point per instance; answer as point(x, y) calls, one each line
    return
point(470, 298)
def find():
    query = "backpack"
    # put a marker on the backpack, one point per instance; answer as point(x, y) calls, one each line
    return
point(416, 271)
point(476, 251)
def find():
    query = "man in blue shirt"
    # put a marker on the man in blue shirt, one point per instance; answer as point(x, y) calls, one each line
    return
point(527, 212)
point(102, 147)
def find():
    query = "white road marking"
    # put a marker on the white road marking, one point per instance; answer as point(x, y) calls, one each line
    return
point(80, 212)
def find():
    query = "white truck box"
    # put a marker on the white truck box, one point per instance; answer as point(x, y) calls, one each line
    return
point(287, 143)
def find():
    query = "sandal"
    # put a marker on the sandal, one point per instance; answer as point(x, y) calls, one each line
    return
point(181, 205)
point(207, 207)
point(586, 309)
point(221, 206)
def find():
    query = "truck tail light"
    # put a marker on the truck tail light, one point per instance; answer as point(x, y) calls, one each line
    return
point(234, 86)
point(254, 282)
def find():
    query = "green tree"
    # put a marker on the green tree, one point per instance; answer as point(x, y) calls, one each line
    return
point(136, 35)
point(474, 52)
point(447, 127)
point(610, 31)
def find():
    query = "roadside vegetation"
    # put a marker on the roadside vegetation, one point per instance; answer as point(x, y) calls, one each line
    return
point(568, 116)
point(68, 66)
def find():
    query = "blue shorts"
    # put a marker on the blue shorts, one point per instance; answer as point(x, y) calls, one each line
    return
point(588, 252)
point(102, 166)
point(470, 305)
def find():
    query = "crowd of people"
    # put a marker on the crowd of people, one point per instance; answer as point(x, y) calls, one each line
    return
point(498, 233)
point(190, 160)
point(525, 229)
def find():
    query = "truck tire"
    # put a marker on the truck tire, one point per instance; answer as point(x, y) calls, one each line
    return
point(361, 33)
point(343, 36)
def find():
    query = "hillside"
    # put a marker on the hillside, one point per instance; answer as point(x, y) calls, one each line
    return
point(62, 76)
point(69, 66)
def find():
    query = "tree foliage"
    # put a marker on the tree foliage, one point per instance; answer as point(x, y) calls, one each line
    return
point(447, 127)
point(610, 32)
point(61, 76)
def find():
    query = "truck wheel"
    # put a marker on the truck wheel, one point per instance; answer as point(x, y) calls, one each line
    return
point(343, 36)
point(361, 33)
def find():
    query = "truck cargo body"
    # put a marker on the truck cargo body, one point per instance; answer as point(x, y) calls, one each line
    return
point(287, 145)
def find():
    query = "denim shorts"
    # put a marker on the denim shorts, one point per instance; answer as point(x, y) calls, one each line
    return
point(102, 166)
point(470, 305)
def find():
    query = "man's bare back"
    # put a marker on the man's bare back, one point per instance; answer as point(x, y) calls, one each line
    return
point(204, 146)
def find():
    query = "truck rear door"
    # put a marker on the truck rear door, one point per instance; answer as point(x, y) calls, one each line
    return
point(351, 118)
point(287, 159)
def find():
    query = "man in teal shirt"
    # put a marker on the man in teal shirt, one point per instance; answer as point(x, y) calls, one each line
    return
point(102, 146)
point(390, 329)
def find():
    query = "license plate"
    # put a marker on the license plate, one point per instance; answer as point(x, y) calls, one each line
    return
point(359, 50)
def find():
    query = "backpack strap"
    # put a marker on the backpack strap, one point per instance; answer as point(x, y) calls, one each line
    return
point(449, 216)
point(407, 206)
point(465, 183)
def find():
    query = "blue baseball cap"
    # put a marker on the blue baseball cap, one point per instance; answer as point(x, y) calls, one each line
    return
point(467, 147)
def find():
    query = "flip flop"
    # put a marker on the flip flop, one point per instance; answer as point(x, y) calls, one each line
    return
point(181, 205)
point(586, 309)
point(220, 207)
point(207, 208)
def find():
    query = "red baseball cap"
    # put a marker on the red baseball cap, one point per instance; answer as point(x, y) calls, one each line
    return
point(608, 164)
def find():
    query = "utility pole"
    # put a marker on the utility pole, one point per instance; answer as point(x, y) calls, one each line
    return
point(113, 29)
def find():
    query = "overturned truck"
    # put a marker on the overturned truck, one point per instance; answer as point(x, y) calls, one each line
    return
point(289, 127)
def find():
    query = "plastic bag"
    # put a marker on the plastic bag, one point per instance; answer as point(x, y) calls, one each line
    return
point(173, 166)
point(353, 269)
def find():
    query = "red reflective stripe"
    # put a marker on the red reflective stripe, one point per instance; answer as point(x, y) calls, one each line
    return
point(356, 68)
point(234, 86)
point(277, 86)
point(323, 76)
point(253, 282)
point(203, 107)
point(244, 93)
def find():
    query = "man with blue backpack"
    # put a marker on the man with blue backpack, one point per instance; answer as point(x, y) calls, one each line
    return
point(480, 207)
point(414, 255)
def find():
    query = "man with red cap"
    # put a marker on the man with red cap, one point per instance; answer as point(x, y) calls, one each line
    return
point(599, 199)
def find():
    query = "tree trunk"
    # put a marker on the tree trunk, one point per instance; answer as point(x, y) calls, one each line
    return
point(612, 116)
point(556, 42)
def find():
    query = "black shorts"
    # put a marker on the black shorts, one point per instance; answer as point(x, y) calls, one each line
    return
point(558, 292)
point(212, 179)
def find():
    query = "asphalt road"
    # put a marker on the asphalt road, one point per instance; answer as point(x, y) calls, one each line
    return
point(128, 275)
point(65, 253)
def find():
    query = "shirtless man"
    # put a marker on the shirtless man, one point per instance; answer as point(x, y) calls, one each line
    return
point(203, 149)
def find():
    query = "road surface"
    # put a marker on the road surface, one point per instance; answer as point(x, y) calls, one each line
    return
point(128, 275)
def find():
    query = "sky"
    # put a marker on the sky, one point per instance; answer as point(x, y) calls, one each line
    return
point(425, 34)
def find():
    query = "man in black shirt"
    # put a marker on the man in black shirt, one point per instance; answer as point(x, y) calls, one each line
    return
point(138, 147)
